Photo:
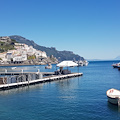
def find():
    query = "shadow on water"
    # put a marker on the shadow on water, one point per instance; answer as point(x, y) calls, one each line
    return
point(21, 89)
point(113, 107)
point(66, 83)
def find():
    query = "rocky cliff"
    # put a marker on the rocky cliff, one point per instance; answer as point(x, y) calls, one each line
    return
point(60, 55)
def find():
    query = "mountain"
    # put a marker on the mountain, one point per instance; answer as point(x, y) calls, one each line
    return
point(117, 58)
point(60, 55)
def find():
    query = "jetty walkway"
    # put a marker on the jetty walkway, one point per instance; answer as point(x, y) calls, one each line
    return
point(41, 80)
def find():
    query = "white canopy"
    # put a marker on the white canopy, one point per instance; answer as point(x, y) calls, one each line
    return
point(67, 64)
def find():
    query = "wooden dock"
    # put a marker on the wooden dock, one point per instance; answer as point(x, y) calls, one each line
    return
point(45, 79)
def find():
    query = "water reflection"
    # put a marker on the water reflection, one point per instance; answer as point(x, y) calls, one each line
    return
point(113, 107)
point(67, 88)
point(21, 89)
point(64, 83)
point(69, 83)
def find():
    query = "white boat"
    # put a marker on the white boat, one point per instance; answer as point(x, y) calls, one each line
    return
point(85, 63)
point(14, 68)
point(80, 62)
point(49, 66)
point(113, 96)
point(116, 65)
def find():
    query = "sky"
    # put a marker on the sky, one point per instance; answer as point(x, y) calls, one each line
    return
point(89, 28)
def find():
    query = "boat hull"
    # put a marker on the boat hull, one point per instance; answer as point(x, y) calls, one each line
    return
point(113, 100)
point(48, 67)
point(115, 66)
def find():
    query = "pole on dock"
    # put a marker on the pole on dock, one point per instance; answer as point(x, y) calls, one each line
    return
point(5, 70)
point(78, 66)
point(22, 71)
point(4, 80)
point(28, 81)
point(38, 70)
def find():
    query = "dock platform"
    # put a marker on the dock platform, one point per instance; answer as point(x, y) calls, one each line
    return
point(42, 80)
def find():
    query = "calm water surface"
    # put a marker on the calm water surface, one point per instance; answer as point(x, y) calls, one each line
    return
point(80, 98)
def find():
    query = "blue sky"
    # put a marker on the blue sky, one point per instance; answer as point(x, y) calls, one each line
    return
point(90, 28)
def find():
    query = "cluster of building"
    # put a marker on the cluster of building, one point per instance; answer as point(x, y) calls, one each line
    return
point(21, 53)
point(5, 39)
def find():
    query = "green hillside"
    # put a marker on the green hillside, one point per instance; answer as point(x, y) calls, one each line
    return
point(5, 46)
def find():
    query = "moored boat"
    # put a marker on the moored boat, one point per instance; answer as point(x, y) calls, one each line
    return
point(116, 65)
point(85, 63)
point(80, 63)
point(113, 96)
point(49, 66)
point(14, 68)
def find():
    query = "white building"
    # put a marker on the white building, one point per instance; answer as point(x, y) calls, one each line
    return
point(5, 39)
point(21, 52)
point(3, 56)
point(20, 58)
point(31, 51)
point(9, 56)
point(44, 54)
point(41, 54)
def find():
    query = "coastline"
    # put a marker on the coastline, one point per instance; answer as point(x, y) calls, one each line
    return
point(24, 64)
point(4, 65)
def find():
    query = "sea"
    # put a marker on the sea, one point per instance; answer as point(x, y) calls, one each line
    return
point(78, 98)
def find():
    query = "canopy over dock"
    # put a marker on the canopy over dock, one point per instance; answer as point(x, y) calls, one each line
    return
point(67, 64)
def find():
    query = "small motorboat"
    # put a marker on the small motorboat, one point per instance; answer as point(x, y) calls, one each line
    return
point(80, 63)
point(49, 66)
point(14, 68)
point(116, 65)
point(113, 96)
point(85, 63)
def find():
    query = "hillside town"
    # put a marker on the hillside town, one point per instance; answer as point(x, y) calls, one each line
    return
point(23, 54)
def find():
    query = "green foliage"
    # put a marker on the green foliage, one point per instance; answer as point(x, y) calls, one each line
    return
point(0, 58)
point(31, 57)
point(5, 46)
point(14, 41)
point(52, 58)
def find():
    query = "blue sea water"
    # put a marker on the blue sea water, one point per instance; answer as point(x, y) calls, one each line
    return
point(79, 98)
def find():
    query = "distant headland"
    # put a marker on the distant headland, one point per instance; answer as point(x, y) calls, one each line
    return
point(19, 50)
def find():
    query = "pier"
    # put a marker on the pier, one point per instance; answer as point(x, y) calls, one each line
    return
point(50, 78)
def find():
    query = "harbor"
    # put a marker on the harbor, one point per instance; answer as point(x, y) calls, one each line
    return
point(81, 97)
point(14, 78)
